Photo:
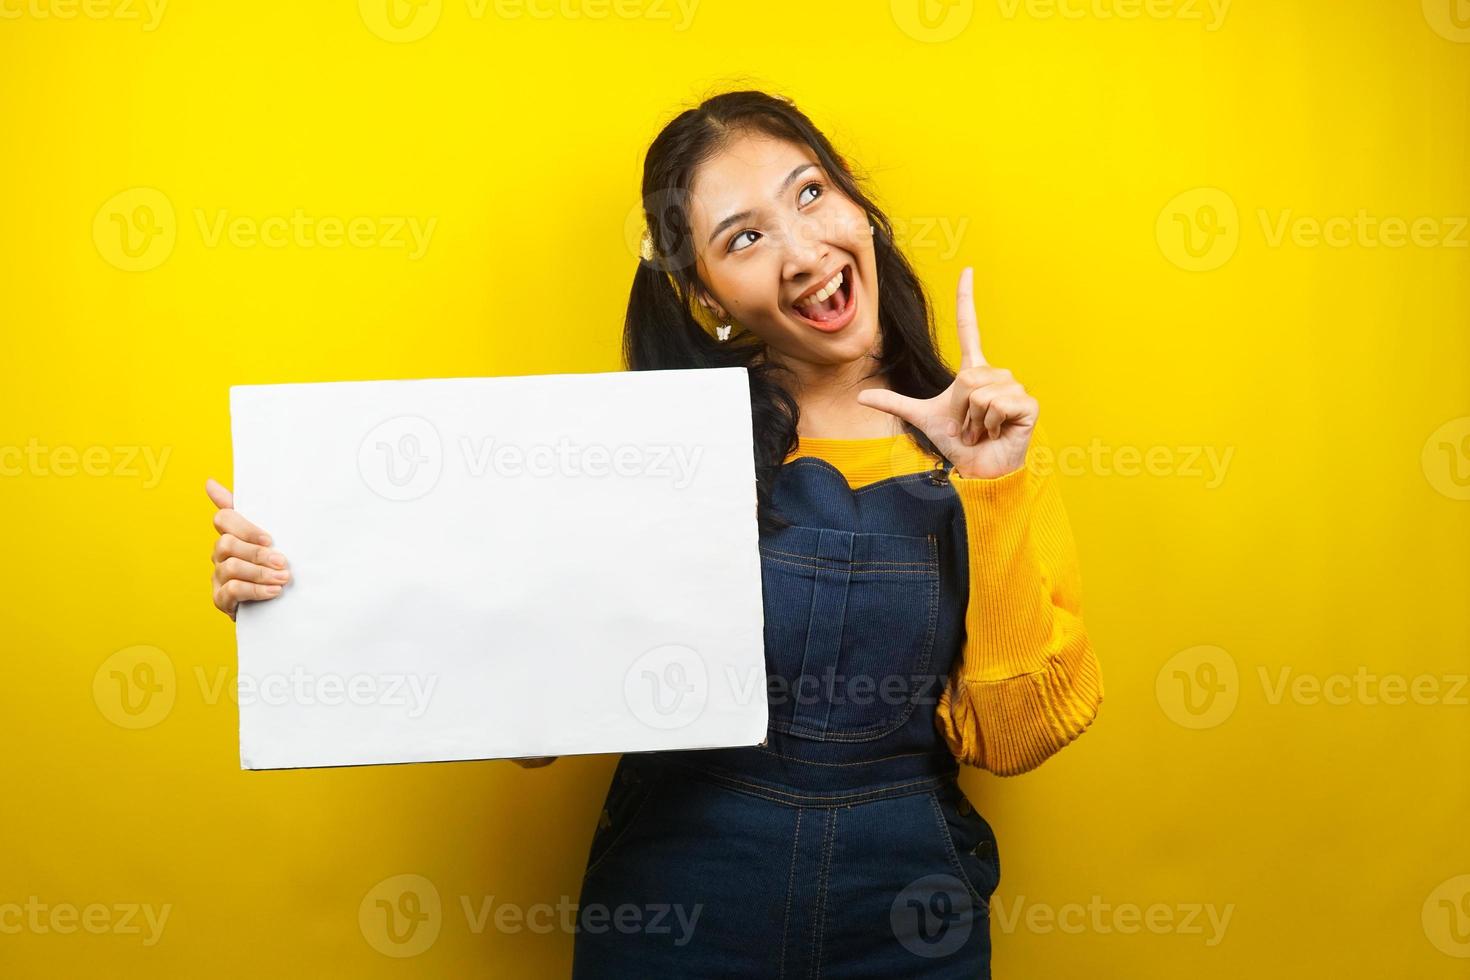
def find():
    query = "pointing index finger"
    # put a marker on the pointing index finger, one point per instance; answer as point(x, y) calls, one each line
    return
point(966, 322)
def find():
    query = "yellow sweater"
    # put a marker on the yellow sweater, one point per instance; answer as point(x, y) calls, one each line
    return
point(1027, 681)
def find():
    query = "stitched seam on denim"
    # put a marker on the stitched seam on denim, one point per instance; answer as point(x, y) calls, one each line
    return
point(952, 852)
point(809, 530)
point(863, 762)
point(826, 880)
point(861, 735)
point(790, 887)
point(886, 726)
point(928, 654)
point(838, 576)
point(806, 561)
point(627, 825)
point(860, 561)
point(841, 633)
point(835, 799)
point(854, 569)
point(934, 602)
point(819, 904)
point(800, 799)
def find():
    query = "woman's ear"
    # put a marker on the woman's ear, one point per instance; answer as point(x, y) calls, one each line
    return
point(708, 302)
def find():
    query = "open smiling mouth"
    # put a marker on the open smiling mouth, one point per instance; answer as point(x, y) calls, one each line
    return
point(835, 307)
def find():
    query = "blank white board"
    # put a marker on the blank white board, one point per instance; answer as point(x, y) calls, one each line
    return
point(491, 568)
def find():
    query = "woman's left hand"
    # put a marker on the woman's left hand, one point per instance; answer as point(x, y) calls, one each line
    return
point(984, 420)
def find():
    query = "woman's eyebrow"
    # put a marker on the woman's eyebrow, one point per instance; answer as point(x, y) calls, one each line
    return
point(742, 215)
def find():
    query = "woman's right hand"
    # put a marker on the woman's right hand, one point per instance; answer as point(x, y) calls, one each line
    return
point(245, 567)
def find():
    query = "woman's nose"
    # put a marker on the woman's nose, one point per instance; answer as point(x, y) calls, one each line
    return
point(806, 247)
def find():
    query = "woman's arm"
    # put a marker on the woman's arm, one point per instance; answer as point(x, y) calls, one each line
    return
point(1027, 682)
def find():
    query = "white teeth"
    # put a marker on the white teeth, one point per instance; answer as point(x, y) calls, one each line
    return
point(832, 286)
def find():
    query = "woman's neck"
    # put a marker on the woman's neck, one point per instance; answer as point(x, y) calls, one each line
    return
point(829, 410)
point(827, 398)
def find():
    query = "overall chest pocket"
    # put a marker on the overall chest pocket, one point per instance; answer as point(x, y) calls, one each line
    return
point(850, 624)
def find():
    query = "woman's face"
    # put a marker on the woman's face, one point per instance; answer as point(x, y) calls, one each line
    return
point(772, 232)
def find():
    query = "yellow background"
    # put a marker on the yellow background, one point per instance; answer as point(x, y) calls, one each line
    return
point(1064, 151)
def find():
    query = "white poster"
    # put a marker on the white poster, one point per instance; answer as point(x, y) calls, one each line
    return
point(500, 567)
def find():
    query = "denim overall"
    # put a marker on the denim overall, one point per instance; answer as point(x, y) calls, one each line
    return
point(843, 847)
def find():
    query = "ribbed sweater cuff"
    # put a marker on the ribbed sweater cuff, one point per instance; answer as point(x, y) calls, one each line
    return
point(1065, 697)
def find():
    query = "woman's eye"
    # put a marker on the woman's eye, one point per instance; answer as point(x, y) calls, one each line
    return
point(734, 242)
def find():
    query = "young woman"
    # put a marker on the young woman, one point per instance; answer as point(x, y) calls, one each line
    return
point(922, 602)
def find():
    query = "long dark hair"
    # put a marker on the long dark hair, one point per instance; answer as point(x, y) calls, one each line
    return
point(661, 331)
